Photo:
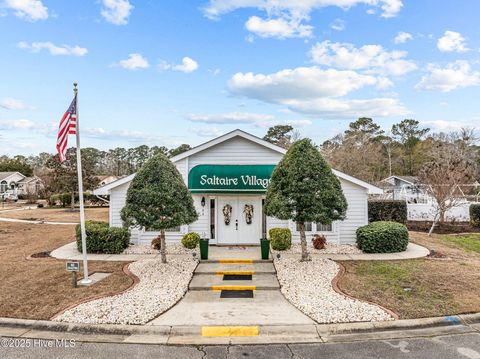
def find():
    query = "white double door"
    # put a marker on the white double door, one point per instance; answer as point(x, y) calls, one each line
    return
point(238, 230)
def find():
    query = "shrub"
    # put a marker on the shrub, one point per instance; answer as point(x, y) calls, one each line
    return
point(319, 241)
point(475, 214)
point(191, 240)
point(387, 210)
point(280, 238)
point(382, 237)
point(40, 205)
point(103, 239)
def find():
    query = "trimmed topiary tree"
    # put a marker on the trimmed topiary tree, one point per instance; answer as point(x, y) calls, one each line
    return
point(158, 199)
point(382, 237)
point(303, 188)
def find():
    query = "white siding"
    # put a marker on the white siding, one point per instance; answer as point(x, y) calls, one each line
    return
point(357, 212)
point(202, 223)
point(118, 196)
point(236, 151)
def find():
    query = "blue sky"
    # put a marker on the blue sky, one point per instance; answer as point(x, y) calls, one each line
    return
point(171, 72)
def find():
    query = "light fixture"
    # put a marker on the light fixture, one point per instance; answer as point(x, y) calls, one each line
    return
point(203, 202)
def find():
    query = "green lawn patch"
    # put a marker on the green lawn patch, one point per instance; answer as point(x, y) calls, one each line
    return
point(468, 242)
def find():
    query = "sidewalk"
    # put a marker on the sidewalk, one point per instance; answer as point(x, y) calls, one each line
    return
point(70, 252)
point(260, 334)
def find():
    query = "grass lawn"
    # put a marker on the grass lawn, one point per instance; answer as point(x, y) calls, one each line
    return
point(58, 214)
point(39, 288)
point(422, 287)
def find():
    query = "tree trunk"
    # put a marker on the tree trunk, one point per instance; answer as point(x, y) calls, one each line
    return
point(303, 242)
point(435, 220)
point(72, 203)
point(442, 215)
point(163, 252)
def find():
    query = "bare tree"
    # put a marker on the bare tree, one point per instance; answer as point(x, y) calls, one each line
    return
point(450, 166)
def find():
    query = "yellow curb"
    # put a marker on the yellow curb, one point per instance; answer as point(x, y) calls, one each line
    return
point(234, 287)
point(237, 331)
point(235, 261)
point(227, 272)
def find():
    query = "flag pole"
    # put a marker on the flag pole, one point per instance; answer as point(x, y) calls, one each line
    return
point(85, 279)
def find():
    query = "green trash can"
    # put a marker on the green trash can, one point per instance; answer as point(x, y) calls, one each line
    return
point(265, 247)
point(203, 248)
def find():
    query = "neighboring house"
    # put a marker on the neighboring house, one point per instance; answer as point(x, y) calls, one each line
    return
point(403, 187)
point(229, 175)
point(18, 184)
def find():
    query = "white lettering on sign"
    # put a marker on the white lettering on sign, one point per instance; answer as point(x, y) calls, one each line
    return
point(247, 180)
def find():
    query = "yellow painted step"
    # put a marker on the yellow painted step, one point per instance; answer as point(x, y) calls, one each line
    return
point(232, 272)
point(234, 287)
point(235, 261)
point(230, 331)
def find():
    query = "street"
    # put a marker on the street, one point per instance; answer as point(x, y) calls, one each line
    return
point(466, 346)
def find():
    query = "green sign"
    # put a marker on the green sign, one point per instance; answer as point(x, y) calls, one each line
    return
point(73, 266)
point(230, 178)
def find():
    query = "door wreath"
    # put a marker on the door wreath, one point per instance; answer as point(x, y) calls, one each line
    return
point(227, 213)
point(248, 210)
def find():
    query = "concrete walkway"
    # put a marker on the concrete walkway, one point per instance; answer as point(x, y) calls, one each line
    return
point(70, 252)
point(203, 304)
point(3, 219)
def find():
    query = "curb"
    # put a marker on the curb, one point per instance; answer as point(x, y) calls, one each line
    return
point(191, 335)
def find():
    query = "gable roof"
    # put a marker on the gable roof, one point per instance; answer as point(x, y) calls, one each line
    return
point(104, 190)
point(226, 137)
point(409, 179)
point(5, 175)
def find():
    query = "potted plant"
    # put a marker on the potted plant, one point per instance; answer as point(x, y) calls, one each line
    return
point(265, 247)
point(319, 241)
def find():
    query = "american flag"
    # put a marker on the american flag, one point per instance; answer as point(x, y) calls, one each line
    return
point(68, 126)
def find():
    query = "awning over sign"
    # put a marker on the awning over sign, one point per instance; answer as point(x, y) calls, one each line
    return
point(230, 178)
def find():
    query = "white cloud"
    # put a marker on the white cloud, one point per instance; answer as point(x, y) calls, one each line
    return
point(285, 18)
point(64, 50)
point(338, 25)
point(446, 126)
point(373, 58)
point(99, 132)
point(402, 37)
point(346, 108)
point(455, 75)
point(279, 28)
point(116, 11)
point(314, 91)
point(243, 118)
point(21, 124)
point(30, 10)
point(134, 62)
point(452, 41)
point(207, 132)
point(12, 104)
point(303, 82)
point(188, 65)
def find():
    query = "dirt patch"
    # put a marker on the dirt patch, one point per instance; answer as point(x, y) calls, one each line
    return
point(37, 288)
point(435, 286)
point(58, 214)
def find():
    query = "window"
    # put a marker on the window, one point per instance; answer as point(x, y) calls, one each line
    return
point(3, 186)
point(173, 229)
point(308, 227)
point(324, 227)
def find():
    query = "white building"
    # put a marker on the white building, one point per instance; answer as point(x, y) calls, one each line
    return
point(229, 173)
point(17, 184)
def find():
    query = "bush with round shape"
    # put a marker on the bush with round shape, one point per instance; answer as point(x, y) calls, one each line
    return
point(382, 237)
point(475, 214)
point(280, 238)
point(191, 240)
point(103, 239)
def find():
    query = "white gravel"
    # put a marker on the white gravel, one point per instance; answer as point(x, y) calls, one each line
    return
point(160, 287)
point(308, 286)
point(172, 248)
point(330, 248)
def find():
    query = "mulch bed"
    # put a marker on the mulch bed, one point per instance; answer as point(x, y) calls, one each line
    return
point(442, 228)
